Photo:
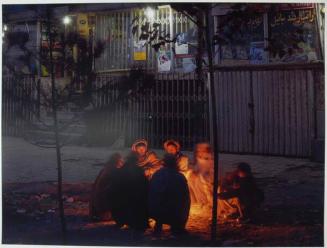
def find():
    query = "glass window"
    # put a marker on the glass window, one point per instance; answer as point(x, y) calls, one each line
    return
point(242, 41)
point(292, 35)
point(287, 35)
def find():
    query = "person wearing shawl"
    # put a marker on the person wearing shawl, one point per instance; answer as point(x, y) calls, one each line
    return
point(200, 178)
point(173, 147)
point(130, 196)
point(147, 160)
point(100, 202)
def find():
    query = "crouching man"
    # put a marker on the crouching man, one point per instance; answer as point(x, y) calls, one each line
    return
point(239, 196)
point(169, 199)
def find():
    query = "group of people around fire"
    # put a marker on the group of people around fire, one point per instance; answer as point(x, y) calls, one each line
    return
point(141, 186)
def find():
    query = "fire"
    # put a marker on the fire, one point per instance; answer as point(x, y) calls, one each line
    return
point(200, 180)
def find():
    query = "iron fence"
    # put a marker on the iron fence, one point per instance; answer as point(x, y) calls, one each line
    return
point(261, 109)
point(174, 107)
point(20, 103)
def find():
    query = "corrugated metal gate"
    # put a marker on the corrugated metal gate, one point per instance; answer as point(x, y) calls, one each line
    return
point(175, 107)
point(261, 109)
point(267, 109)
point(106, 122)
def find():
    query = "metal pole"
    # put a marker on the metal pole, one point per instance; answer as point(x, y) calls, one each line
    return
point(38, 98)
point(56, 132)
point(213, 126)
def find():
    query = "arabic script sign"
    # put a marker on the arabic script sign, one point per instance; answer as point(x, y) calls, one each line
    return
point(293, 16)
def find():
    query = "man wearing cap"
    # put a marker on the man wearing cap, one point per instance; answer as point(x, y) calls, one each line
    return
point(148, 160)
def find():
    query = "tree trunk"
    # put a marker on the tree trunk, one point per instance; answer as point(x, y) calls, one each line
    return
point(56, 132)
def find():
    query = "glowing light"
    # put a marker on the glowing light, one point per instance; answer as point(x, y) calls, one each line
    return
point(66, 20)
point(149, 12)
point(5, 28)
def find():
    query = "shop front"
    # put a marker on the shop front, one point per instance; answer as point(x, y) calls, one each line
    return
point(269, 78)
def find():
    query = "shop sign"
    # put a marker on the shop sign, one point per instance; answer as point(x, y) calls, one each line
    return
point(294, 17)
point(139, 50)
point(181, 45)
point(164, 60)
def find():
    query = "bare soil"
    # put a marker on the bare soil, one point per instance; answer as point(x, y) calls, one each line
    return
point(30, 216)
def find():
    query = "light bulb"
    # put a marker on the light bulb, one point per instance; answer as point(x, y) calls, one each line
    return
point(66, 20)
point(149, 12)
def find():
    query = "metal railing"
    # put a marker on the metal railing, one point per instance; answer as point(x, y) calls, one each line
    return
point(174, 107)
point(20, 103)
point(268, 109)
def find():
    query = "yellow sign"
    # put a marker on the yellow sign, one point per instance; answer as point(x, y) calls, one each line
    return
point(139, 50)
point(44, 71)
point(82, 25)
point(139, 55)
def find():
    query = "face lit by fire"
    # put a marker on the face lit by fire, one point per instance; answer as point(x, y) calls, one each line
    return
point(141, 150)
point(171, 149)
point(204, 161)
point(241, 174)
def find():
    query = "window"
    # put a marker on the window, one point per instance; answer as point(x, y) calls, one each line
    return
point(292, 35)
point(242, 39)
point(274, 33)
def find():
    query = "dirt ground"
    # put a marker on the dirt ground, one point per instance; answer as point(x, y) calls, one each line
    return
point(292, 214)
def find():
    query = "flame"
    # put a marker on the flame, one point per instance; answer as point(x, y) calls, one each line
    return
point(200, 180)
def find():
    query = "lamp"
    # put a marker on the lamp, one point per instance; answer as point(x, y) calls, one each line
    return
point(149, 12)
point(66, 20)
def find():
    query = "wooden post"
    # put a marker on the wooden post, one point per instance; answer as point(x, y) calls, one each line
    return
point(56, 132)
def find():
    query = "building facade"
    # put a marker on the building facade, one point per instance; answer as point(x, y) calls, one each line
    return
point(269, 78)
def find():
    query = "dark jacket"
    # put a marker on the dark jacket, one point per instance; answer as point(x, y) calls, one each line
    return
point(130, 197)
point(169, 199)
point(100, 201)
